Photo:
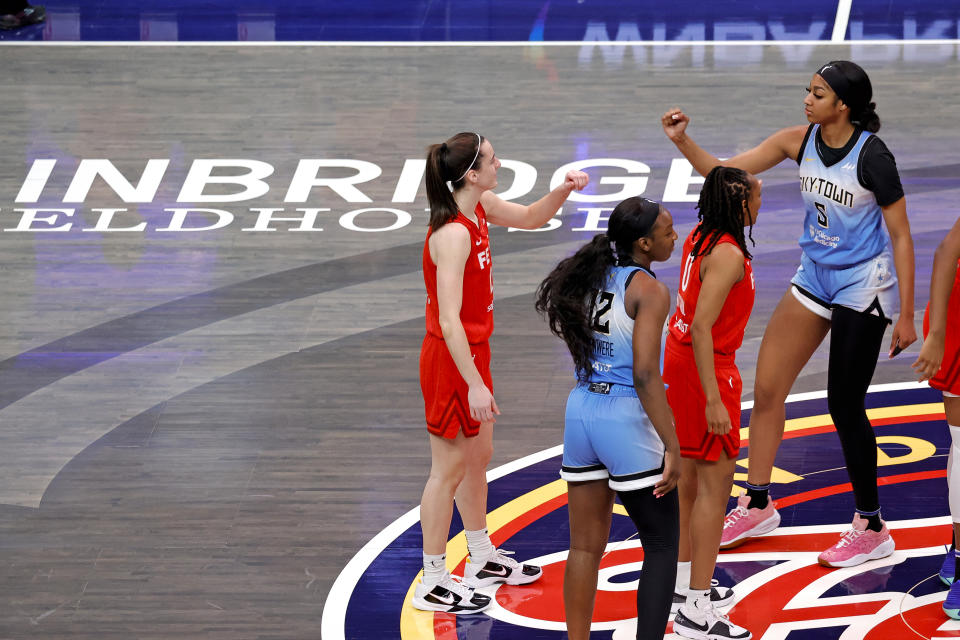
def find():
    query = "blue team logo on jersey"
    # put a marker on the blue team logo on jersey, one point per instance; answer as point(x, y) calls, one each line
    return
point(781, 590)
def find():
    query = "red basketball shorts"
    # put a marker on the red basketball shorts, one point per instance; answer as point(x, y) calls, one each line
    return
point(947, 379)
point(686, 399)
point(445, 391)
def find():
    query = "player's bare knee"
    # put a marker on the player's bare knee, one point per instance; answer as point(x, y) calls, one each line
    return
point(725, 483)
point(486, 456)
point(687, 486)
point(481, 454)
point(589, 549)
point(453, 477)
point(449, 472)
point(767, 396)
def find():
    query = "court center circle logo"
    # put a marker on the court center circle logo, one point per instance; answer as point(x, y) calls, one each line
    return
point(781, 590)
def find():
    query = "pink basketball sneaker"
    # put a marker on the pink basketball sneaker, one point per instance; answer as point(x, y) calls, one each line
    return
point(745, 522)
point(858, 545)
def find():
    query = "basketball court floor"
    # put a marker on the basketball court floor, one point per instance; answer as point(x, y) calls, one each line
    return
point(212, 306)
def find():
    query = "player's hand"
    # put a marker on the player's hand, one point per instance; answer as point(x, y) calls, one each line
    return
point(718, 420)
point(675, 123)
point(904, 335)
point(483, 407)
point(931, 356)
point(671, 473)
point(576, 180)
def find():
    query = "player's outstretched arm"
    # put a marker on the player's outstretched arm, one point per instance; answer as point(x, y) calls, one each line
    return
point(783, 144)
point(534, 216)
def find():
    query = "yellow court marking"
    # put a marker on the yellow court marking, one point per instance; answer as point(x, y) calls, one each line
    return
point(418, 625)
point(798, 424)
point(918, 451)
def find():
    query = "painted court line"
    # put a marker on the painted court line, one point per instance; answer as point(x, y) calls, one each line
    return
point(505, 43)
point(333, 619)
point(840, 24)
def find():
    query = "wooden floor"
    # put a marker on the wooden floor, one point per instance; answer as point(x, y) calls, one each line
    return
point(199, 429)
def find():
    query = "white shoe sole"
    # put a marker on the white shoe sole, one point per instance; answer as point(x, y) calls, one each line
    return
point(694, 634)
point(881, 551)
point(766, 526)
point(474, 583)
point(423, 605)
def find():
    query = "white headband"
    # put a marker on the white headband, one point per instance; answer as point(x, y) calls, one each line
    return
point(470, 166)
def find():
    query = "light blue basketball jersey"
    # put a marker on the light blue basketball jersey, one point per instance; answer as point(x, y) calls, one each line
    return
point(613, 329)
point(843, 222)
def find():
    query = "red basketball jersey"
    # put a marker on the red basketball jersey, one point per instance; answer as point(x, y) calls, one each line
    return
point(476, 312)
point(729, 327)
point(948, 377)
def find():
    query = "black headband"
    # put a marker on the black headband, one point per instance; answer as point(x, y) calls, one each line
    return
point(630, 227)
point(841, 86)
point(649, 210)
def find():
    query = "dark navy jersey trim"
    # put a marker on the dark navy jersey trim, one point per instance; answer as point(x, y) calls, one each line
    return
point(830, 156)
point(631, 263)
point(877, 171)
point(593, 467)
point(875, 306)
point(861, 177)
point(637, 476)
point(822, 303)
point(803, 145)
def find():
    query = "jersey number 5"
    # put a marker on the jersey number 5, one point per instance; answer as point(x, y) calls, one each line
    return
point(822, 218)
point(602, 305)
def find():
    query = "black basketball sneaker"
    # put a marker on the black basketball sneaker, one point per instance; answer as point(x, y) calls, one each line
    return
point(449, 596)
point(499, 568)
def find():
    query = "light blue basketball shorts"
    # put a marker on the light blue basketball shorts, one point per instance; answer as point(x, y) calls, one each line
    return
point(609, 436)
point(868, 287)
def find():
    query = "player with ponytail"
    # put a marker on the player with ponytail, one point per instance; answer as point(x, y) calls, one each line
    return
point(856, 262)
point(618, 440)
point(455, 364)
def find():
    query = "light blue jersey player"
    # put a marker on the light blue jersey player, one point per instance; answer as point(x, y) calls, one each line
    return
point(846, 259)
point(608, 434)
point(618, 438)
point(857, 264)
point(613, 329)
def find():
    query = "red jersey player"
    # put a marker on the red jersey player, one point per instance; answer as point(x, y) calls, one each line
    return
point(455, 365)
point(447, 410)
point(939, 362)
point(703, 388)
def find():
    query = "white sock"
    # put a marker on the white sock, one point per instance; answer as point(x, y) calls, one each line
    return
point(683, 577)
point(698, 603)
point(479, 545)
point(434, 568)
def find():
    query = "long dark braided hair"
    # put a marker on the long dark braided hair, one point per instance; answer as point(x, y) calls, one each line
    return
point(567, 296)
point(721, 210)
